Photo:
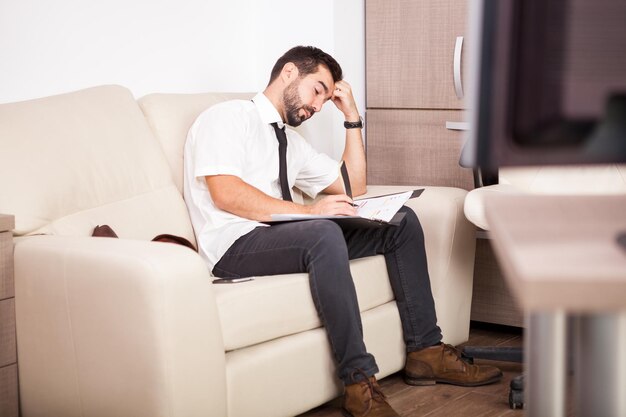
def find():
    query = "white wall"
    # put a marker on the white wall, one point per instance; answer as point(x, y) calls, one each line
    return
point(182, 46)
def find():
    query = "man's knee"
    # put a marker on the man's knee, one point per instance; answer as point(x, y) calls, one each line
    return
point(327, 241)
point(410, 217)
point(411, 222)
point(327, 233)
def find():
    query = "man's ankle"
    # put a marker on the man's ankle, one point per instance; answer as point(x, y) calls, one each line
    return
point(365, 398)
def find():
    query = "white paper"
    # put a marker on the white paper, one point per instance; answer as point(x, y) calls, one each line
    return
point(381, 208)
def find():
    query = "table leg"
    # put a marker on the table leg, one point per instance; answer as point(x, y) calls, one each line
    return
point(546, 364)
point(601, 365)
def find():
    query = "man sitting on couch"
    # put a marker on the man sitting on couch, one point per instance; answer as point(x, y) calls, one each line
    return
point(239, 170)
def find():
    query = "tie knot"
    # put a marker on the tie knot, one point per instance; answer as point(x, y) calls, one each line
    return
point(280, 133)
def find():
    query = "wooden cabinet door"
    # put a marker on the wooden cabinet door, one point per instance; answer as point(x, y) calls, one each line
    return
point(413, 147)
point(410, 47)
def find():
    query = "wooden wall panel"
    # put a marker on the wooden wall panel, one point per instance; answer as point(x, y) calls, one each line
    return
point(8, 352)
point(6, 265)
point(9, 404)
point(9, 392)
point(492, 301)
point(410, 51)
point(409, 147)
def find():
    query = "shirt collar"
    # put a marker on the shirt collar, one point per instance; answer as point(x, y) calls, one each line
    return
point(267, 111)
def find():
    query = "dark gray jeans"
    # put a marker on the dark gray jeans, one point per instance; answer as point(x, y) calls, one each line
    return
point(323, 249)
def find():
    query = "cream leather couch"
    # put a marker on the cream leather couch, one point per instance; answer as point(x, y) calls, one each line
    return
point(129, 327)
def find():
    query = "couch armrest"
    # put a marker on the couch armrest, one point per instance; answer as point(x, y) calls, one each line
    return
point(116, 327)
point(450, 248)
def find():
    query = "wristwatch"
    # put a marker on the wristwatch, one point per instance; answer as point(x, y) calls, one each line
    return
point(354, 125)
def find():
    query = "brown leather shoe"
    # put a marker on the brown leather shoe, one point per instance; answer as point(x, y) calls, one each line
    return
point(443, 363)
point(366, 399)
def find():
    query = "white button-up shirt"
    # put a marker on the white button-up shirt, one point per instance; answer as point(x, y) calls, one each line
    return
point(236, 138)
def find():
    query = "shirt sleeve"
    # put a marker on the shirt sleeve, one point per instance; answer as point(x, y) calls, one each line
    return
point(317, 171)
point(219, 142)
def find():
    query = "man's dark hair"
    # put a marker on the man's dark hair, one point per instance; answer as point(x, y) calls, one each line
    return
point(307, 59)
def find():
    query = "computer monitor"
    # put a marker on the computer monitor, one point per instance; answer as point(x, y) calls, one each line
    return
point(548, 82)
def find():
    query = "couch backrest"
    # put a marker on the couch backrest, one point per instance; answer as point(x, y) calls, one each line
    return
point(171, 115)
point(73, 161)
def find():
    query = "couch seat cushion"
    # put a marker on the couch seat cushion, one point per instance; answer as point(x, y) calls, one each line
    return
point(270, 307)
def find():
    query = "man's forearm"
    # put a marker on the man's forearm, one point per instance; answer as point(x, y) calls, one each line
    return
point(231, 194)
point(354, 155)
point(354, 152)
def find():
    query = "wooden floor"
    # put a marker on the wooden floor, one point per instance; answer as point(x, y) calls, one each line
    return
point(446, 400)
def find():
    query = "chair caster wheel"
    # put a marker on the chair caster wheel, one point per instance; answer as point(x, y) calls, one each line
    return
point(516, 393)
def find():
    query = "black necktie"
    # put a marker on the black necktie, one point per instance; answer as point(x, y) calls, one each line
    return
point(282, 159)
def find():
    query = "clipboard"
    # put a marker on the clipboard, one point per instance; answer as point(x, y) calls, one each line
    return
point(347, 222)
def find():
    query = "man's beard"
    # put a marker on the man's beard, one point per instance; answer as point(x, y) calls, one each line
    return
point(293, 105)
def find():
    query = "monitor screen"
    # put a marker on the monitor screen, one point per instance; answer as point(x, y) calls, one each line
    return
point(548, 82)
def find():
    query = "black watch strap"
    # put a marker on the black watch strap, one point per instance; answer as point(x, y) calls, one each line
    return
point(354, 125)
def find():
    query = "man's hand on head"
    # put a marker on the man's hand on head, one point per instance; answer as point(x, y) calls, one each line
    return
point(343, 99)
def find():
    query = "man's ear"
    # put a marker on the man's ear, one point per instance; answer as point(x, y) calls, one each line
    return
point(289, 73)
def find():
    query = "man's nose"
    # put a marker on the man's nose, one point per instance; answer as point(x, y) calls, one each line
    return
point(317, 105)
